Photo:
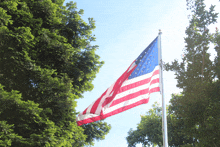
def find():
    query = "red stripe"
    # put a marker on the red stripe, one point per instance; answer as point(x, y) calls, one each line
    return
point(156, 89)
point(118, 84)
point(143, 101)
point(134, 95)
point(118, 89)
point(138, 83)
point(89, 120)
point(95, 105)
point(84, 112)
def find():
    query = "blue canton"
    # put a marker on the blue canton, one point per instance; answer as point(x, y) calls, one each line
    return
point(147, 60)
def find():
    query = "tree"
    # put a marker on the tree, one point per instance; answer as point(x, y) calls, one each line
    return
point(196, 66)
point(149, 130)
point(46, 63)
point(196, 75)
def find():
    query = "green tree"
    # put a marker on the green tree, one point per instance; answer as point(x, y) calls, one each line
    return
point(46, 63)
point(204, 129)
point(149, 130)
point(196, 74)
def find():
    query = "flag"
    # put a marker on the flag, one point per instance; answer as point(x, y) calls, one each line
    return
point(131, 89)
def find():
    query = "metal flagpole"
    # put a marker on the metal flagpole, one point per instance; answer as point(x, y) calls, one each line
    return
point(164, 117)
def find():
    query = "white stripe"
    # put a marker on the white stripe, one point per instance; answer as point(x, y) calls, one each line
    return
point(125, 93)
point(136, 89)
point(136, 79)
point(90, 107)
point(132, 66)
point(109, 93)
point(108, 109)
point(126, 103)
point(120, 105)
point(129, 102)
point(99, 108)
point(85, 116)
point(112, 108)
point(102, 99)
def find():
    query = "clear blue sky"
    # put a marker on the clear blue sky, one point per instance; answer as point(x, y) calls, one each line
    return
point(124, 28)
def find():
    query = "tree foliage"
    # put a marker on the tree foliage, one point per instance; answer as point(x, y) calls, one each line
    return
point(46, 63)
point(149, 130)
point(198, 76)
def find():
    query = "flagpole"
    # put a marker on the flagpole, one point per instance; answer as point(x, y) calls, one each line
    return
point(164, 117)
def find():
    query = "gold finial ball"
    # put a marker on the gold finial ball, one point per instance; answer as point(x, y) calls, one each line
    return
point(160, 31)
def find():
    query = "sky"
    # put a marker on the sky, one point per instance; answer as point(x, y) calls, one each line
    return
point(124, 28)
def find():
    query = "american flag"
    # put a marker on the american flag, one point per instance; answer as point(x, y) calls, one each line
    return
point(131, 89)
